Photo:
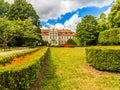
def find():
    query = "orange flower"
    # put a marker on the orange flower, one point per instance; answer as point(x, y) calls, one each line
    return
point(19, 59)
point(1, 65)
point(7, 64)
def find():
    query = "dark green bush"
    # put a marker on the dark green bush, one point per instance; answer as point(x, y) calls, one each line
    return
point(104, 59)
point(109, 37)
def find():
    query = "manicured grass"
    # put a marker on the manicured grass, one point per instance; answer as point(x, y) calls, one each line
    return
point(66, 70)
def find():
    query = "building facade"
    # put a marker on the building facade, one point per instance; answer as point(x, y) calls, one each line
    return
point(56, 36)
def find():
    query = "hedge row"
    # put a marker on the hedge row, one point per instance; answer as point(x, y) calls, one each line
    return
point(10, 57)
point(20, 76)
point(104, 59)
point(110, 37)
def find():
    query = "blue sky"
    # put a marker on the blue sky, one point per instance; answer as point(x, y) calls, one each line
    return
point(92, 10)
point(67, 13)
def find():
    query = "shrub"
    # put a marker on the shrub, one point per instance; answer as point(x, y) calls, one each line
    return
point(20, 76)
point(104, 59)
point(110, 37)
point(71, 41)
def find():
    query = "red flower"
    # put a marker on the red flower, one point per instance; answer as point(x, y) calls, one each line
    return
point(66, 45)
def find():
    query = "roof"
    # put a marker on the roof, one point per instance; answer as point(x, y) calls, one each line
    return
point(44, 30)
point(61, 32)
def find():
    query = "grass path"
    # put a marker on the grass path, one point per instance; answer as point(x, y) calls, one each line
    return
point(66, 70)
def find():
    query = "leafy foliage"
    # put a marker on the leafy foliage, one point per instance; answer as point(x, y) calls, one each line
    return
point(22, 24)
point(23, 10)
point(114, 16)
point(20, 76)
point(104, 59)
point(7, 30)
point(4, 7)
point(86, 31)
point(19, 29)
point(102, 22)
point(71, 41)
point(110, 37)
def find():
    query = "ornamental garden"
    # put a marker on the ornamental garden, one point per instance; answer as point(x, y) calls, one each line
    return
point(88, 61)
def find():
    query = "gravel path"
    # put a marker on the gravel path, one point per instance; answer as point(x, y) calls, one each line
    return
point(10, 52)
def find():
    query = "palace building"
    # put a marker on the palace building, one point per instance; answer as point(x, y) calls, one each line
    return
point(56, 36)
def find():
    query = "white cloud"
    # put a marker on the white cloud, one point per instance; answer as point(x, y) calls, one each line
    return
point(44, 27)
point(10, 1)
point(69, 24)
point(107, 11)
point(59, 26)
point(54, 8)
point(72, 22)
point(48, 24)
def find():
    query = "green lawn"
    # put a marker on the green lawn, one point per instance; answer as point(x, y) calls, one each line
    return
point(66, 70)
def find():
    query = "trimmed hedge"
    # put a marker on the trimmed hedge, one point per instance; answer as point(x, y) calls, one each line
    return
point(20, 76)
point(109, 37)
point(8, 58)
point(104, 59)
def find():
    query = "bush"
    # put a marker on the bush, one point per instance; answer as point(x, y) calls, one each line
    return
point(110, 37)
point(71, 41)
point(104, 59)
point(20, 76)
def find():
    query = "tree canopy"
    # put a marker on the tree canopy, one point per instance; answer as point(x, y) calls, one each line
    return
point(4, 7)
point(102, 22)
point(114, 16)
point(86, 31)
point(22, 10)
point(19, 22)
point(7, 31)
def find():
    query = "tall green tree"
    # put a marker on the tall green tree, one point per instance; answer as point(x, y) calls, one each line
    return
point(7, 31)
point(114, 16)
point(22, 10)
point(26, 32)
point(86, 31)
point(4, 7)
point(102, 22)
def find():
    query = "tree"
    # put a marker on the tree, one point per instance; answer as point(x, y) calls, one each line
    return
point(109, 37)
point(30, 34)
point(4, 7)
point(71, 41)
point(23, 10)
point(114, 16)
point(26, 32)
point(86, 31)
point(7, 31)
point(102, 22)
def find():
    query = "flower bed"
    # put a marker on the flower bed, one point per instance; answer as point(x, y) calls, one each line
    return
point(8, 58)
point(66, 45)
point(21, 74)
